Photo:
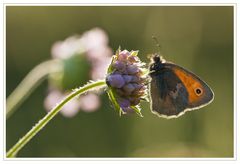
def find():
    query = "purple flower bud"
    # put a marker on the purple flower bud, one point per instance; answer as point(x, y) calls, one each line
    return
point(124, 103)
point(120, 92)
point(119, 65)
point(115, 80)
point(123, 55)
point(134, 100)
point(128, 110)
point(135, 79)
point(140, 93)
point(127, 78)
point(132, 69)
point(133, 59)
point(144, 87)
point(128, 88)
point(137, 86)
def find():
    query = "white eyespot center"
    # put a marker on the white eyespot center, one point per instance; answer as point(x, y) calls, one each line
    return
point(198, 91)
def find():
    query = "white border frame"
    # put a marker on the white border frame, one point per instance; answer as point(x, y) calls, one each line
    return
point(96, 3)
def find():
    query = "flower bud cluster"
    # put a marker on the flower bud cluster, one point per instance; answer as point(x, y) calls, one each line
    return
point(127, 79)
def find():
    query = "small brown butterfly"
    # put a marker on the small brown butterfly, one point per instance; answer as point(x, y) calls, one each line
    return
point(175, 90)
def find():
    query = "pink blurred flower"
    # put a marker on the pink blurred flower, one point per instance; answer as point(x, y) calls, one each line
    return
point(98, 52)
point(86, 103)
point(68, 110)
point(93, 45)
point(89, 102)
point(100, 66)
point(93, 40)
point(65, 49)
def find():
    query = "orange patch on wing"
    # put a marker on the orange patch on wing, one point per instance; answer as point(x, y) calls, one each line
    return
point(190, 84)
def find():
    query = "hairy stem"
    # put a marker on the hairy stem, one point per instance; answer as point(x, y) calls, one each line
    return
point(35, 129)
point(30, 82)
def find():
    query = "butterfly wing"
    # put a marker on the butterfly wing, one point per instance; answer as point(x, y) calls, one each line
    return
point(174, 90)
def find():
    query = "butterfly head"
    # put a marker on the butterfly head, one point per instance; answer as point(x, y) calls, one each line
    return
point(156, 63)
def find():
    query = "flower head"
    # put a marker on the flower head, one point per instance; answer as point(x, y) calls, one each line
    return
point(127, 80)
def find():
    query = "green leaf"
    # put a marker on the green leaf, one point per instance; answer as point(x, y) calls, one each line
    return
point(110, 69)
point(137, 109)
point(114, 101)
point(118, 51)
point(134, 53)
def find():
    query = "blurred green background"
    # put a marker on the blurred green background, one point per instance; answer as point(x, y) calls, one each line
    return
point(197, 38)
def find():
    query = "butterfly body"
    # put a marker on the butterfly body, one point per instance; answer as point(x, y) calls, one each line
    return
point(175, 90)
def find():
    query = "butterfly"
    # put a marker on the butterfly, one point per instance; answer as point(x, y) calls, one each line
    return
point(175, 90)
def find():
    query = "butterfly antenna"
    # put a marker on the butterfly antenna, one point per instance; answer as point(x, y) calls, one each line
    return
point(158, 55)
point(157, 43)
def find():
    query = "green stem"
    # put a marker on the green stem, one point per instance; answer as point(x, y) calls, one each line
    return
point(30, 82)
point(35, 129)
